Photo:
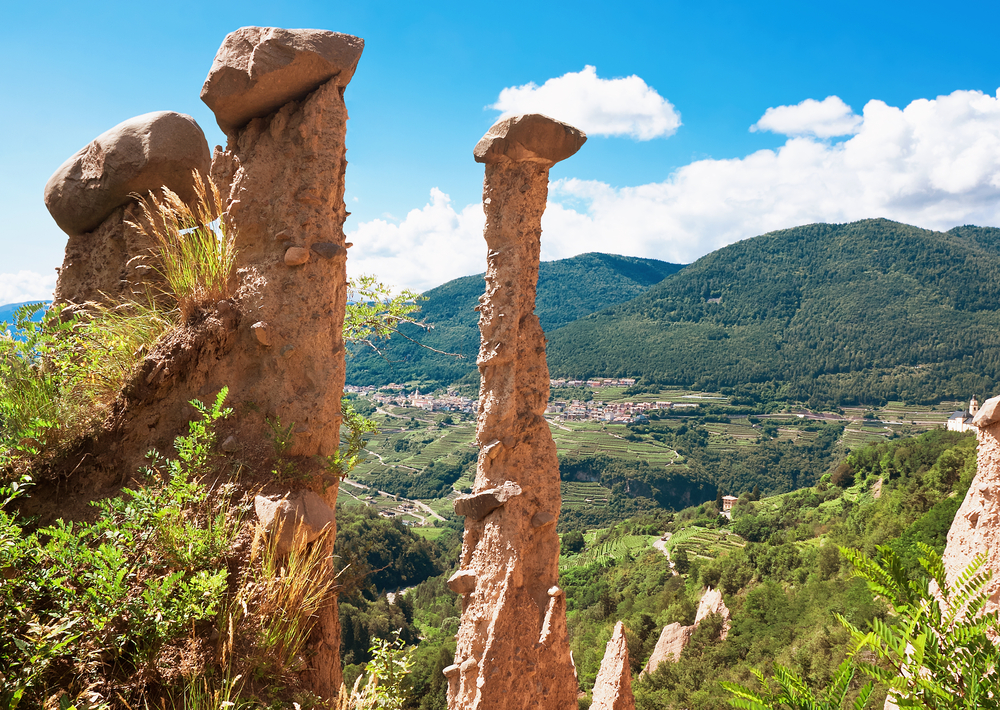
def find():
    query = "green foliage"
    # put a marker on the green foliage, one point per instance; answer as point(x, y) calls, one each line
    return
point(374, 313)
point(940, 653)
point(794, 693)
point(355, 431)
point(61, 373)
point(97, 602)
point(572, 542)
point(567, 289)
point(828, 314)
point(390, 664)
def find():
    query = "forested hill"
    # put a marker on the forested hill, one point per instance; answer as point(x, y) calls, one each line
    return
point(567, 290)
point(831, 314)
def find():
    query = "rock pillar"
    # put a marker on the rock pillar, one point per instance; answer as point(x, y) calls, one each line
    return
point(92, 195)
point(613, 688)
point(976, 527)
point(513, 650)
point(279, 96)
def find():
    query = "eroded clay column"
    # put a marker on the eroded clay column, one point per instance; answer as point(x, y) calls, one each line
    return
point(513, 650)
point(279, 96)
point(976, 527)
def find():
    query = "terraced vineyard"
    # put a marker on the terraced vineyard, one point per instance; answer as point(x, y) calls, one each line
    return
point(625, 546)
point(589, 438)
point(705, 543)
point(582, 495)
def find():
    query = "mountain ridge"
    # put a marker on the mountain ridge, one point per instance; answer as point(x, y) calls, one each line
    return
point(567, 289)
point(834, 314)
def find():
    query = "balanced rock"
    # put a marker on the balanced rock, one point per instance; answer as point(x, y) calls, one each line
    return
point(613, 688)
point(988, 413)
point(257, 70)
point(138, 155)
point(529, 138)
point(294, 520)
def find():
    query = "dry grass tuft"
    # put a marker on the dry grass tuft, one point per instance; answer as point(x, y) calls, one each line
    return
point(193, 248)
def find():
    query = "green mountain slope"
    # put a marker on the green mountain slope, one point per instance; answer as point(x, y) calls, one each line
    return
point(825, 313)
point(567, 290)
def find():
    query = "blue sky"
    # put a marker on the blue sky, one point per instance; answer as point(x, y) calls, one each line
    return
point(418, 103)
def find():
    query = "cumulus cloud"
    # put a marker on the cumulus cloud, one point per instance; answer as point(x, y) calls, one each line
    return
point(26, 286)
point(605, 107)
point(823, 119)
point(430, 246)
point(934, 164)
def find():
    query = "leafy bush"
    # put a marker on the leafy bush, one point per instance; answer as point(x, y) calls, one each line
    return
point(118, 598)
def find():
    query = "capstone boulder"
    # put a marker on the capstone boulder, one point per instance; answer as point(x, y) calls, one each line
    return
point(257, 70)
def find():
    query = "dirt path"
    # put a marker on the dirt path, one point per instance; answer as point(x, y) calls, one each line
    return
point(661, 545)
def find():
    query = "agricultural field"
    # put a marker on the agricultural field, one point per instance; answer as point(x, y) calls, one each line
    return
point(411, 440)
point(704, 543)
point(621, 547)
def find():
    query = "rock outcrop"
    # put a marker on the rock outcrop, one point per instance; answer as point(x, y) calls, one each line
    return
point(92, 194)
point(613, 688)
point(674, 637)
point(277, 341)
point(712, 603)
point(976, 527)
point(512, 649)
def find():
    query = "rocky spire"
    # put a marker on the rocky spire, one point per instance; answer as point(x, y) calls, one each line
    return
point(613, 688)
point(513, 650)
point(976, 527)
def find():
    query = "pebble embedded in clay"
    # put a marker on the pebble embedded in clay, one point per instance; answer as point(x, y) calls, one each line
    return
point(296, 256)
point(529, 137)
point(144, 153)
point(257, 70)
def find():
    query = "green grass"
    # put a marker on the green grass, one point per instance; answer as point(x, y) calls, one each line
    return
point(430, 534)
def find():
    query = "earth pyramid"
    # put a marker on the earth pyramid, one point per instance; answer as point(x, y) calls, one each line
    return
point(513, 650)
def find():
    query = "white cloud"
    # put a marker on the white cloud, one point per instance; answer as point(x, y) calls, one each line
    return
point(26, 286)
point(605, 107)
point(823, 119)
point(934, 164)
point(430, 246)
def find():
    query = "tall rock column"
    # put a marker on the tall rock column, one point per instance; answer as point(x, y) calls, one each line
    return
point(976, 527)
point(279, 96)
point(513, 650)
